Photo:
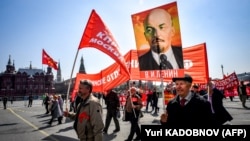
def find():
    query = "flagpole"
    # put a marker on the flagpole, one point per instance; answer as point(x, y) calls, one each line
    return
point(67, 98)
point(162, 91)
point(163, 95)
point(129, 86)
point(209, 85)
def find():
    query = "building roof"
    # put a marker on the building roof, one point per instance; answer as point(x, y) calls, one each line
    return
point(30, 71)
point(244, 76)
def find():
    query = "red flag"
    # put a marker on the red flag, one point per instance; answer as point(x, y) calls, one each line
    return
point(224, 76)
point(46, 59)
point(98, 36)
point(196, 62)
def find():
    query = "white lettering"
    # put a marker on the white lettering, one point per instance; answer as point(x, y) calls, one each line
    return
point(181, 132)
point(108, 47)
point(153, 133)
point(196, 133)
point(175, 132)
point(106, 38)
point(110, 77)
point(192, 132)
point(228, 133)
point(161, 73)
point(168, 132)
point(136, 63)
point(189, 132)
point(147, 131)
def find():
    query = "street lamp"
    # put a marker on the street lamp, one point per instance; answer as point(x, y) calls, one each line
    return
point(222, 71)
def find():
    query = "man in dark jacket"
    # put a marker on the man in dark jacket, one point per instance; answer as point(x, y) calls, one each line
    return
point(155, 97)
point(219, 111)
point(187, 109)
point(46, 102)
point(149, 99)
point(113, 106)
point(133, 110)
point(5, 99)
point(242, 91)
point(30, 100)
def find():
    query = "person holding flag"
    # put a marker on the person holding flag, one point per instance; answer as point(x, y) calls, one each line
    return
point(97, 35)
point(88, 122)
point(133, 109)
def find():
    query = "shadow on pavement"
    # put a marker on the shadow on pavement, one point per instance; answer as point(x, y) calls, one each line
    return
point(109, 137)
point(240, 108)
point(65, 129)
point(156, 121)
point(41, 115)
point(67, 120)
point(8, 124)
point(248, 108)
point(58, 138)
point(44, 127)
point(45, 121)
point(154, 114)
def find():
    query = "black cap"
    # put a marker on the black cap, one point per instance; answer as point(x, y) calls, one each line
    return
point(195, 86)
point(186, 77)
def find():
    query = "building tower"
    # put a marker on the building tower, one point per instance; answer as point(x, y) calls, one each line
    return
point(82, 68)
point(30, 65)
point(9, 67)
point(59, 74)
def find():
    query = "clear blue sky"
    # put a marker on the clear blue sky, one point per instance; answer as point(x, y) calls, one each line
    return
point(28, 26)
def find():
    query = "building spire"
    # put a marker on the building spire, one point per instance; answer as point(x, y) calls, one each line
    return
point(59, 74)
point(10, 68)
point(30, 64)
point(14, 69)
point(82, 68)
point(9, 62)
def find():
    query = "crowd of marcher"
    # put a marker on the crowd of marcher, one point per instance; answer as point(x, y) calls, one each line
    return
point(189, 107)
point(54, 106)
point(189, 102)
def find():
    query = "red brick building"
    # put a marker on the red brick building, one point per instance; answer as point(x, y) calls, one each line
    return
point(25, 81)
